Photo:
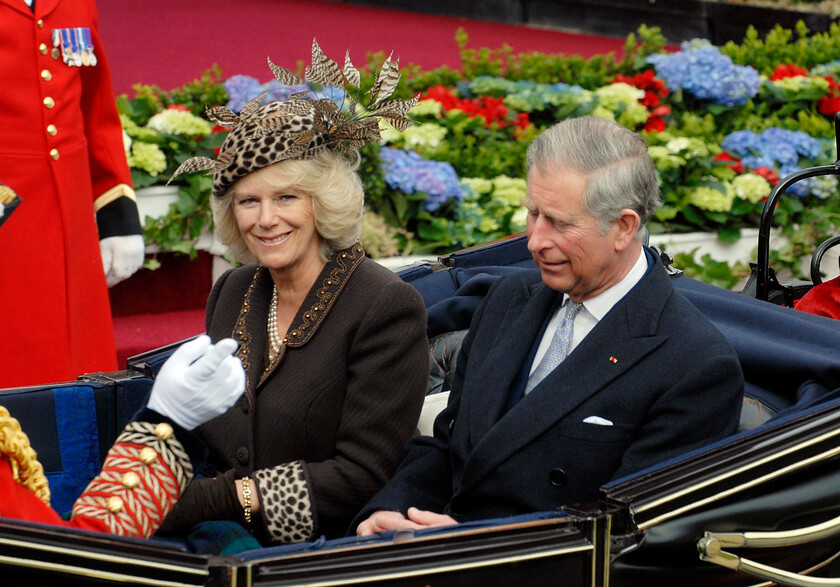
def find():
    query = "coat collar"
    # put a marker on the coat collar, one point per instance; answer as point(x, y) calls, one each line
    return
point(250, 328)
point(628, 333)
point(42, 7)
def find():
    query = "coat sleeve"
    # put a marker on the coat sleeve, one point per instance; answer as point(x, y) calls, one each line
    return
point(424, 477)
point(114, 200)
point(388, 370)
point(144, 474)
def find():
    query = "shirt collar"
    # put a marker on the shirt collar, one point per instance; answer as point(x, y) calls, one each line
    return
point(599, 305)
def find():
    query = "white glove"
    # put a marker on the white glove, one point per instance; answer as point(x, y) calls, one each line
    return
point(198, 382)
point(121, 256)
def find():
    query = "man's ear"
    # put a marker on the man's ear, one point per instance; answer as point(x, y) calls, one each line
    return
point(627, 224)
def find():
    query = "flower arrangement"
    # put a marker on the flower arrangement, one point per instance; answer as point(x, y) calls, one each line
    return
point(723, 124)
point(161, 130)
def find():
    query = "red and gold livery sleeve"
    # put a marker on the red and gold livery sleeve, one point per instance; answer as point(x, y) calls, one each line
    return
point(143, 476)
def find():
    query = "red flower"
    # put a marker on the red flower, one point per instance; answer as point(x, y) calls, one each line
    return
point(655, 90)
point(180, 107)
point(735, 164)
point(443, 95)
point(655, 124)
point(767, 174)
point(782, 71)
point(829, 104)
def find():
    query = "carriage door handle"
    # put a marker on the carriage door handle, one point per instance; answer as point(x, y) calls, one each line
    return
point(712, 544)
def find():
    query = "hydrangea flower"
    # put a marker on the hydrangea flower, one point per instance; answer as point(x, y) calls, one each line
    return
point(793, 85)
point(801, 188)
point(702, 70)
point(775, 148)
point(428, 135)
point(408, 172)
point(427, 108)
point(241, 89)
point(712, 200)
point(175, 121)
point(751, 187)
point(824, 186)
point(527, 96)
point(623, 98)
point(741, 142)
point(664, 159)
point(148, 157)
point(509, 189)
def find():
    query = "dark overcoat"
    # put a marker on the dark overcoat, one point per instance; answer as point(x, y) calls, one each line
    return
point(654, 367)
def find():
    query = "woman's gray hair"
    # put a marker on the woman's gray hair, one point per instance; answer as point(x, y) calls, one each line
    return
point(337, 201)
point(620, 173)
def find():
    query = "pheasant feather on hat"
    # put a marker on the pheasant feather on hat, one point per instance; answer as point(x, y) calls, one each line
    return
point(305, 124)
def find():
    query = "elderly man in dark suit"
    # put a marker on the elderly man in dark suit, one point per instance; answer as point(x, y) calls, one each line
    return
point(586, 371)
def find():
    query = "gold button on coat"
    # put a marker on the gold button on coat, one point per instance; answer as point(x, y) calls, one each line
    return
point(114, 505)
point(43, 48)
point(164, 431)
point(49, 102)
point(46, 75)
point(54, 154)
point(131, 480)
point(52, 130)
point(148, 456)
point(40, 23)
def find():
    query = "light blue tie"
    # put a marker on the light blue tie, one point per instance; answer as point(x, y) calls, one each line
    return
point(559, 349)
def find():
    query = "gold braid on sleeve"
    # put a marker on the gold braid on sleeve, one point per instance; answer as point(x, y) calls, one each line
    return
point(14, 445)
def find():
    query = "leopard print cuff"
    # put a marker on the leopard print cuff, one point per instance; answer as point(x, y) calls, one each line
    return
point(285, 505)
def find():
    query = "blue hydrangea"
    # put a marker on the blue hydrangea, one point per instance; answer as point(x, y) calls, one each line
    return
point(741, 143)
point(804, 144)
point(408, 172)
point(241, 89)
point(277, 91)
point(801, 188)
point(775, 148)
point(702, 70)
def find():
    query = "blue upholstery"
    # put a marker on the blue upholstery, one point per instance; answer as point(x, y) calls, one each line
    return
point(71, 426)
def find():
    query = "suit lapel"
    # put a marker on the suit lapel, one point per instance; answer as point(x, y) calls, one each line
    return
point(626, 335)
point(524, 317)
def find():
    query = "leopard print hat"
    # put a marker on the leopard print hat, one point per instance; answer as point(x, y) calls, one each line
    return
point(305, 124)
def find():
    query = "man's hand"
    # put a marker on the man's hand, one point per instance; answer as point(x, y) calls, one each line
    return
point(121, 256)
point(385, 520)
point(198, 382)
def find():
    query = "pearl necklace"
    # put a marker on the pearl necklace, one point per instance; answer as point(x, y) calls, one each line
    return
point(273, 337)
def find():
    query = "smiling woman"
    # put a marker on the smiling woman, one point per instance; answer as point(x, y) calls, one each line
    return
point(333, 344)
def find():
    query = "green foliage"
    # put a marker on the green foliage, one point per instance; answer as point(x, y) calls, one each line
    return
point(179, 229)
point(785, 46)
point(708, 270)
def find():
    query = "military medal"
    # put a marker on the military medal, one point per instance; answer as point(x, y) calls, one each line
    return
point(86, 45)
point(76, 46)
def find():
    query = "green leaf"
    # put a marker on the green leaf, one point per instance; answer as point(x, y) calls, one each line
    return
point(729, 234)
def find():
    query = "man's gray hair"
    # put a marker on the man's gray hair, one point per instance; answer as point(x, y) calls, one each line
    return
point(620, 173)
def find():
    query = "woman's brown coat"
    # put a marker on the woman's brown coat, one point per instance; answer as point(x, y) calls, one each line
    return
point(322, 428)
